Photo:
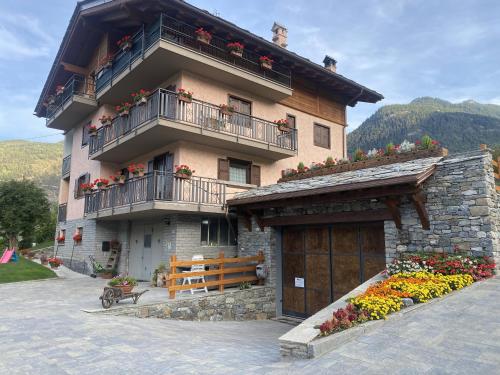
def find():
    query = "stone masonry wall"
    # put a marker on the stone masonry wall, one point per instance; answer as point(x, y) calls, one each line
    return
point(256, 303)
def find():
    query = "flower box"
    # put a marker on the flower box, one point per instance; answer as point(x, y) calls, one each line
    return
point(203, 36)
point(370, 163)
point(59, 90)
point(124, 113)
point(185, 99)
point(284, 128)
point(184, 176)
point(226, 110)
point(125, 288)
point(266, 65)
point(183, 171)
point(237, 53)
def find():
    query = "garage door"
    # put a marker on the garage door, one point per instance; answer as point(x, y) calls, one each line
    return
point(323, 263)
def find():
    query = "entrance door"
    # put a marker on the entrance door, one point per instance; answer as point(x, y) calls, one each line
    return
point(323, 263)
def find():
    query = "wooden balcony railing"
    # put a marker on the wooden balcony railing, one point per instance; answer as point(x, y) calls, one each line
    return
point(166, 104)
point(178, 32)
point(66, 165)
point(61, 213)
point(76, 85)
point(242, 269)
point(157, 186)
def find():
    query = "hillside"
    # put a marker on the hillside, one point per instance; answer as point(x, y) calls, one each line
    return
point(459, 127)
point(36, 161)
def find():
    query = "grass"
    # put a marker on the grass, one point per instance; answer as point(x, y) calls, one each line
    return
point(43, 245)
point(23, 270)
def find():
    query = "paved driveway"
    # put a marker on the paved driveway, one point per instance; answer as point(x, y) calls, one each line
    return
point(44, 331)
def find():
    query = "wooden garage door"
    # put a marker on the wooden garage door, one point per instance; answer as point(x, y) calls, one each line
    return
point(323, 263)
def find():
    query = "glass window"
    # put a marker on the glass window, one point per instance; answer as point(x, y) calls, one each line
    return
point(291, 121)
point(147, 241)
point(85, 134)
point(321, 136)
point(218, 231)
point(239, 171)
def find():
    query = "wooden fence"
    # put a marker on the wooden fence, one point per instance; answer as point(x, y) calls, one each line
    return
point(239, 266)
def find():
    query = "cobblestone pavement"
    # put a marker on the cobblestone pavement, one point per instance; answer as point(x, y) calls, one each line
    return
point(44, 331)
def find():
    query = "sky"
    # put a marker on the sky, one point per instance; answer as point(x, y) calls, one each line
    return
point(403, 49)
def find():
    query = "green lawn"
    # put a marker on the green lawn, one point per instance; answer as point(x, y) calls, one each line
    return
point(23, 270)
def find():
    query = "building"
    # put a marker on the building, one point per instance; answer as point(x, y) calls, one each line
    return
point(326, 234)
point(112, 49)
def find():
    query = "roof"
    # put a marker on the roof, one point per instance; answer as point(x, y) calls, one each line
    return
point(365, 94)
point(410, 172)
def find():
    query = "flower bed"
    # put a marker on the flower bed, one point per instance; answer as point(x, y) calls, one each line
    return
point(419, 277)
point(406, 151)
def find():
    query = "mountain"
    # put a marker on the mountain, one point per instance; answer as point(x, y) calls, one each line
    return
point(37, 161)
point(458, 126)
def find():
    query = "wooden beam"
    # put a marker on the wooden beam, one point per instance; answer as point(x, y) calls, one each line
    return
point(339, 217)
point(393, 207)
point(74, 68)
point(419, 200)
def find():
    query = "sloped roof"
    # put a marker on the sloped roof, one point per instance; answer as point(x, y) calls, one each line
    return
point(410, 172)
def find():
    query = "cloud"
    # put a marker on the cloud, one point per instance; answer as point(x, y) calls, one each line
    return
point(23, 37)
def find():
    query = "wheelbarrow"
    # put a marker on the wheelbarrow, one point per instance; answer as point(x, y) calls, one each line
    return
point(112, 295)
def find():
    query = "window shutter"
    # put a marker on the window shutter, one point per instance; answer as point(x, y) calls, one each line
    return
point(75, 192)
point(255, 175)
point(223, 170)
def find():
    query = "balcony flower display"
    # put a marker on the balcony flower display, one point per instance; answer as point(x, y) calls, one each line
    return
point(87, 188)
point(60, 238)
point(126, 283)
point(105, 120)
point(226, 109)
point(101, 183)
point(51, 99)
point(185, 96)
point(59, 89)
point(183, 171)
point(235, 48)
point(140, 97)
point(136, 169)
point(266, 63)
point(283, 125)
point(123, 109)
point(118, 178)
point(77, 237)
point(203, 36)
point(55, 262)
point(125, 43)
point(92, 129)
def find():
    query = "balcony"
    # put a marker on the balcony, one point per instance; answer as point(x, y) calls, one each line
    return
point(61, 213)
point(165, 119)
point(71, 106)
point(169, 46)
point(156, 193)
point(66, 167)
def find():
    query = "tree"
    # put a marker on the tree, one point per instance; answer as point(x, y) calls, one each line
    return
point(23, 208)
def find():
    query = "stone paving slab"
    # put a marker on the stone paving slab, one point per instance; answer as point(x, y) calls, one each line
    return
point(44, 331)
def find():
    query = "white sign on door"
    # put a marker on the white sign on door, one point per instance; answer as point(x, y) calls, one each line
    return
point(299, 282)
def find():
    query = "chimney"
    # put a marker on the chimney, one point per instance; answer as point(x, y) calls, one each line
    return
point(280, 35)
point(330, 63)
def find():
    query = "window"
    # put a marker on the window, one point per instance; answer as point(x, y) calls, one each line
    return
point(86, 134)
point(291, 121)
point(83, 179)
point(79, 231)
point(147, 241)
point(321, 136)
point(239, 171)
point(218, 231)
point(244, 109)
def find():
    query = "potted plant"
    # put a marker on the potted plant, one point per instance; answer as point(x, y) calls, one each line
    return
point(92, 130)
point(60, 238)
point(136, 169)
point(183, 171)
point(55, 262)
point(105, 120)
point(87, 188)
point(235, 48)
point(123, 109)
point(185, 96)
point(266, 63)
point(118, 178)
point(101, 183)
point(226, 109)
point(43, 259)
point(140, 97)
point(77, 237)
point(159, 275)
point(283, 125)
point(125, 283)
point(59, 89)
point(203, 36)
point(125, 43)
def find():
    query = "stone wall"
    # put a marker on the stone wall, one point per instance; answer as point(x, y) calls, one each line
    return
point(256, 303)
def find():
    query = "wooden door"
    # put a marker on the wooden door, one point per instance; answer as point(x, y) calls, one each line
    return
point(317, 282)
point(346, 268)
point(293, 272)
point(372, 249)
